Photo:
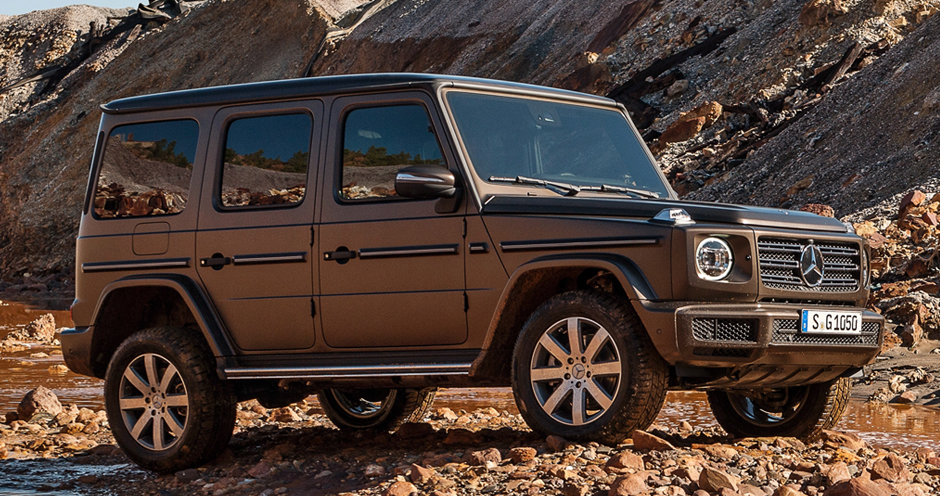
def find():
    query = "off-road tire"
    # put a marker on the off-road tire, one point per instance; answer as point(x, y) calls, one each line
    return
point(823, 407)
point(407, 405)
point(643, 373)
point(210, 418)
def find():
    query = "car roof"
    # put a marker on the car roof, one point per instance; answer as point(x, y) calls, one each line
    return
point(289, 89)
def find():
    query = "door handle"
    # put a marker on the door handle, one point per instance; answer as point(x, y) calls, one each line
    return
point(341, 255)
point(216, 261)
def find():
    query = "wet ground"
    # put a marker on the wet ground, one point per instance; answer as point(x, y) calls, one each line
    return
point(899, 427)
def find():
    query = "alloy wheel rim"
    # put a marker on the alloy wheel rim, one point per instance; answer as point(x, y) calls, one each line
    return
point(769, 407)
point(154, 402)
point(361, 408)
point(575, 371)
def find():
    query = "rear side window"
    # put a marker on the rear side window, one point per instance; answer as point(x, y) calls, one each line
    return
point(266, 160)
point(146, 169)
point(379, 141)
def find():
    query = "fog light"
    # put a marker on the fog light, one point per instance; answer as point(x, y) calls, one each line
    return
point(713, 259)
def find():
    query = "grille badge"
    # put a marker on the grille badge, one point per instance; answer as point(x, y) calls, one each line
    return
point(811, 266)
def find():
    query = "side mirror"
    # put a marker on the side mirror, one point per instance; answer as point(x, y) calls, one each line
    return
point(425, 182)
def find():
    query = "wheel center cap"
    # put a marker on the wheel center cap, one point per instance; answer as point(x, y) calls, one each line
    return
point(158, 402)
point(578, 371)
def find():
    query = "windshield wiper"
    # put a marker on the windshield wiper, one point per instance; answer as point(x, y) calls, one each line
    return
point(563, 189)
point(607, 188)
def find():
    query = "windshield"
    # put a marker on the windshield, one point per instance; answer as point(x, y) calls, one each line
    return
point(587, 147)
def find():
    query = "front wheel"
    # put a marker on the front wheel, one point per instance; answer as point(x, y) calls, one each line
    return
point(167, 408)
point(584, 369)
point(802, 412)
point(380, 409)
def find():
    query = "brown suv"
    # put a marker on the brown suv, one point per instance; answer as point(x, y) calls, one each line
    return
point(373, 237)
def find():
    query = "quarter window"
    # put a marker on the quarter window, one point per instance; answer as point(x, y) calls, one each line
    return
point(146, 169)
point(379, 141)
point(266, 160)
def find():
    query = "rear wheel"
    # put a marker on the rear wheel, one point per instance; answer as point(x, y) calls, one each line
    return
point(584, 369)
point(167, 408)
point(802, 412)
point(380, 409)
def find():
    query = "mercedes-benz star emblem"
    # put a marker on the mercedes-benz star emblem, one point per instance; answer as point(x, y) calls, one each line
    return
point(811, 266)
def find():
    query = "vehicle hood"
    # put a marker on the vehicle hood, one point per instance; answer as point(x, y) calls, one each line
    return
point(699, 211)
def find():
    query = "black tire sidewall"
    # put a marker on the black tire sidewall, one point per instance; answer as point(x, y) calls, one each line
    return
point(575, 304)
point(407, 405)
point(206, 426)
point(808, 420)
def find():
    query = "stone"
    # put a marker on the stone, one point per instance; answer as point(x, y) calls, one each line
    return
point(261, 469)
point(890, 468)
point(820, 12)
point(421, 474)
point(857, 487)
point(714, 480)
point(556, 443)
point(711, 111)
point(801, 185)
point(645, 440)
point(626, 460)
point(38, 400)
point(912, 199)
point(85, 415)
point(907, 397)
point(575, 489)
point(415, 430)
point(91, 428)
point(787, 491)
point(720, 451)
point(681, 130)
point(445, 413)
point(374, 470)
point(41, 329)
point(677, 88)
point(285, 414)
point(628, 485)
point(837, 472)
point(460, 436)
point(835, 440)
point(400, 488)
point(818, 209)
point(522, 454)
point(58, 369)
point(484, 456)
point(188, 475)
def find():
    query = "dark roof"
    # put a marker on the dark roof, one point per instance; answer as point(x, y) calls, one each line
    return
point(317, 86)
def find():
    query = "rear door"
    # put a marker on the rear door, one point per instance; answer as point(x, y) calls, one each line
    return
point(253, 243)
point(391, 268)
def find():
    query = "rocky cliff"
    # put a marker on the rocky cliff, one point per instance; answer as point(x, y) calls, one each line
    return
point(796, 101)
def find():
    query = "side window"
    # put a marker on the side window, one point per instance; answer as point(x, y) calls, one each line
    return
point(266, 160)
point(146, 169)
point(379, 141)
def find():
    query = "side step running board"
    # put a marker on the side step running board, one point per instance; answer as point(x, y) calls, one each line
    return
point(330, 372)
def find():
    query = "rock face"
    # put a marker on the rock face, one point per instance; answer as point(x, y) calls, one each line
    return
point(42, 329)
point(38, 400)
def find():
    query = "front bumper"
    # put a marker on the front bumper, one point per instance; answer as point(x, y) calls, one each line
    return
point(76, 349)
point(760, 344)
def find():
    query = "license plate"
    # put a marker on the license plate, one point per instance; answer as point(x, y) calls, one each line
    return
point(828, 322)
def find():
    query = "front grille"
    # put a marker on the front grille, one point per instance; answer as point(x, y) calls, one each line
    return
point(736, 330)
point(779, 260)
point(787, 331)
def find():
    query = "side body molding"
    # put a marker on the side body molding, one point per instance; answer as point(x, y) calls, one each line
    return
point(500, 339)
point(203, 312)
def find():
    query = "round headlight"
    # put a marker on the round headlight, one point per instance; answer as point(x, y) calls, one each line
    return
point(713, 259)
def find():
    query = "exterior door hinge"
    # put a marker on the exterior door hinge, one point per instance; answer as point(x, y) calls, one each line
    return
point(465, 227)
point(313, 308)
point(466, 302)
point(311, 235)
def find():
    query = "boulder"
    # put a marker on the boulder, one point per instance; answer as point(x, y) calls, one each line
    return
point(39, 400)
point(400, 488)
point(856, 487)
point(714, 480)
point(819, 209)
point(522, 454)
point(626, 460)
point(629, 485)
point(835, 440)
point(890, 468)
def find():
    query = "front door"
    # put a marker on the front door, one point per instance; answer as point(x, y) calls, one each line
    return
point(391, 268)
point(253, 243)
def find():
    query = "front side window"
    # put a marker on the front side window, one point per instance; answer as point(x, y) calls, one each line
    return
point(146, 169)
point(379, 141)
point(520, 140)
point(265, 161)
